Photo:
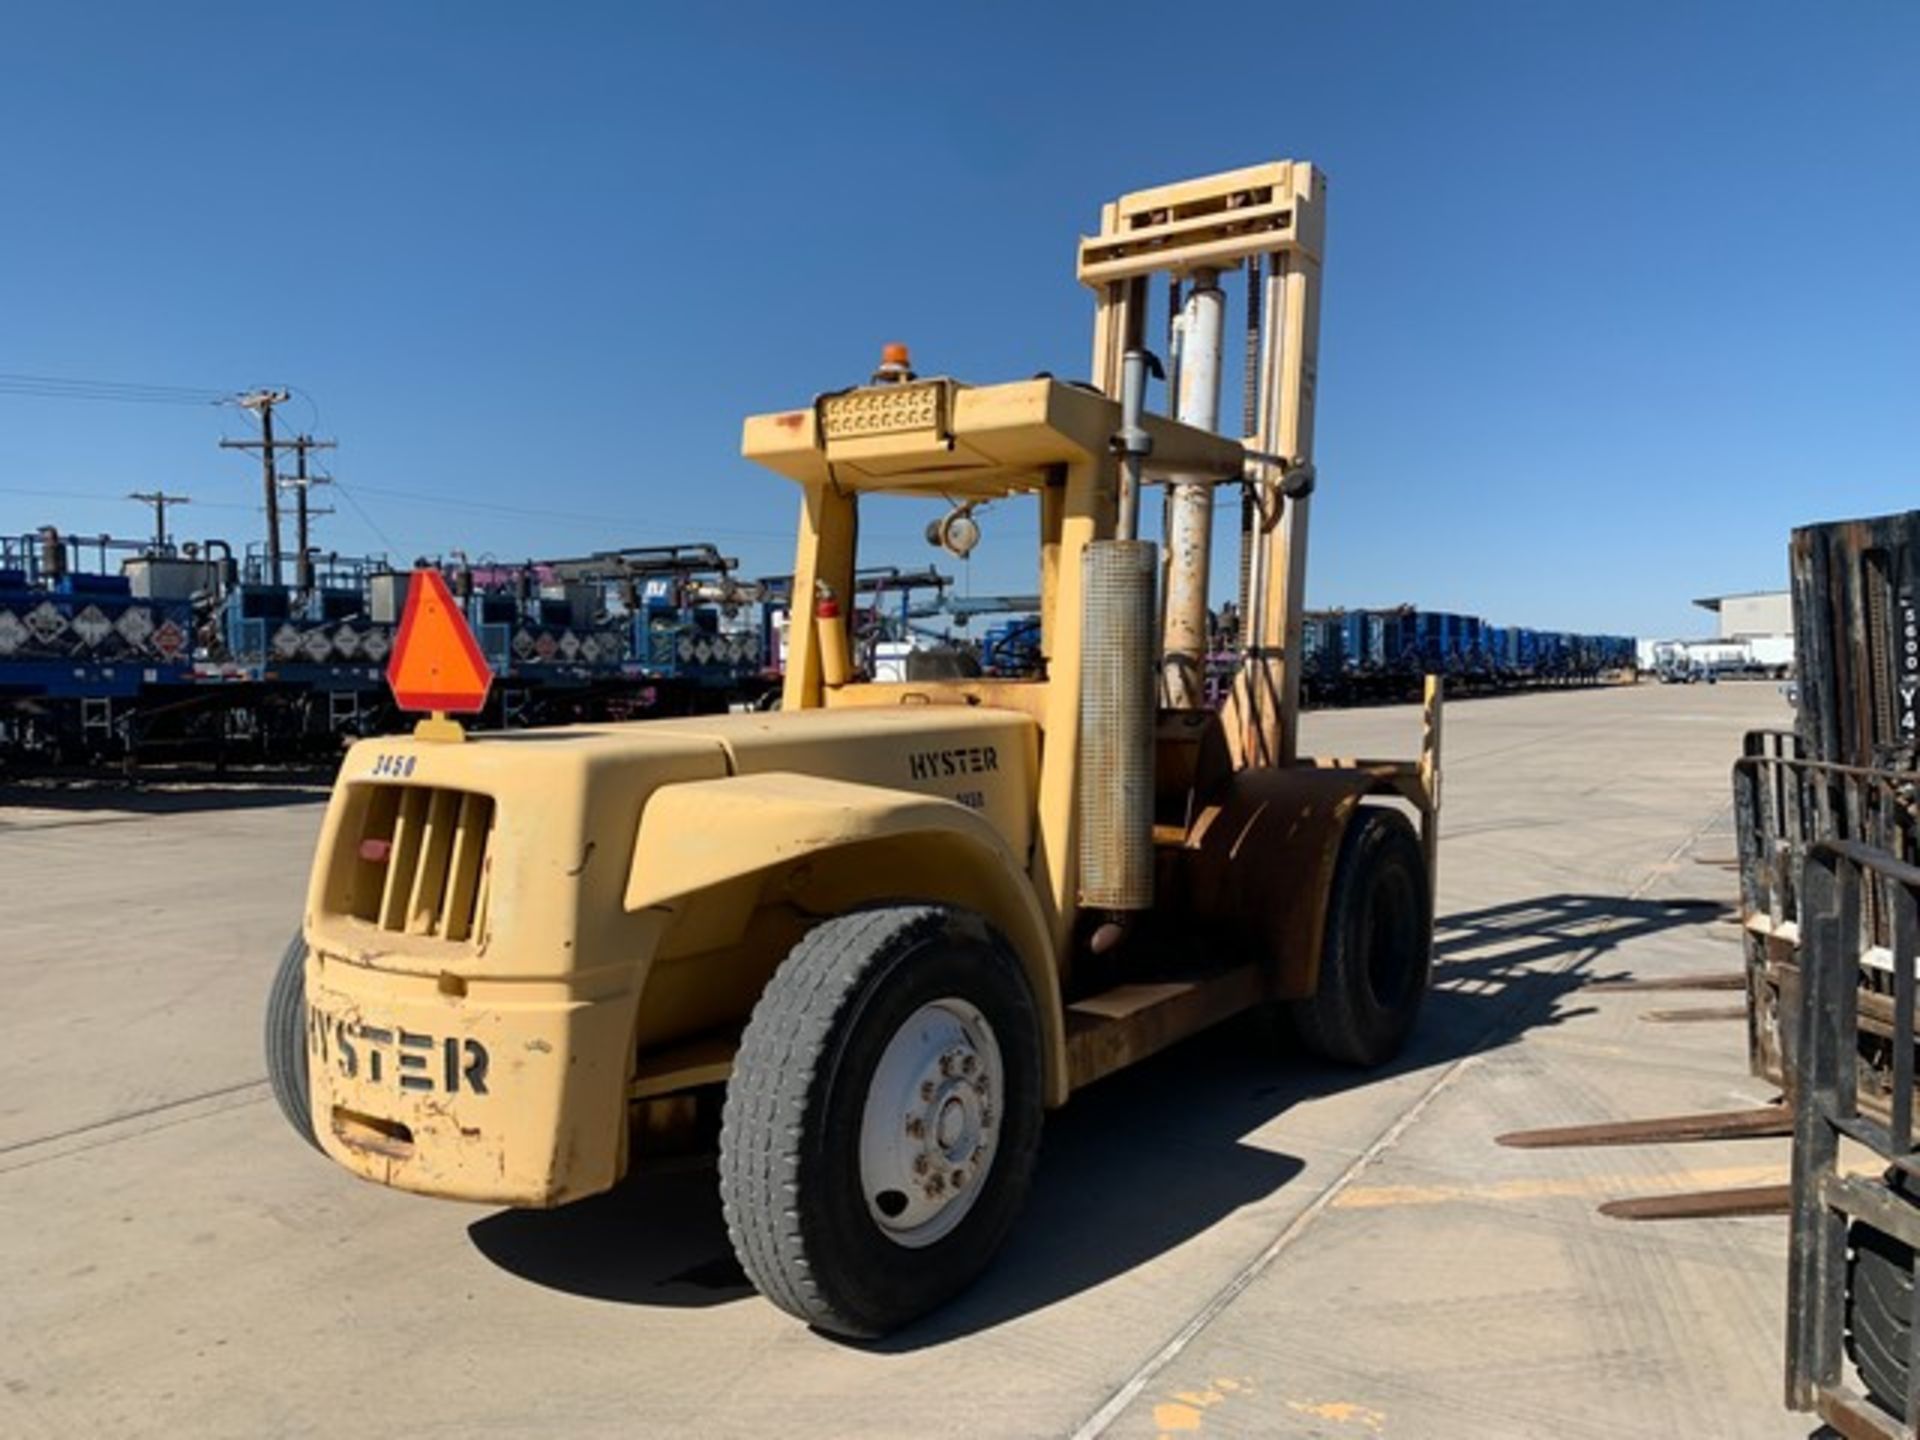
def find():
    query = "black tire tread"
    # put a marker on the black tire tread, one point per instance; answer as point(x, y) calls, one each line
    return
point(286, 1039)
point(786, 1035)
point(778, 1080)
point(1879, 1302)
point(1327, 1023)
point(1881, 1281)
point(1876, 1345)
point(789, 1029)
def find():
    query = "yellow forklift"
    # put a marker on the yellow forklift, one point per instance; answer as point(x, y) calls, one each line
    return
point(886, 927)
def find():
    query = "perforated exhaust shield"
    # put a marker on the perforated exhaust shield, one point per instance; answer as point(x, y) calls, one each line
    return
point(1116, 725)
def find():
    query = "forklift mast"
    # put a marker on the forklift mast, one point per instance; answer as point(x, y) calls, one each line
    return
point(1269, 222)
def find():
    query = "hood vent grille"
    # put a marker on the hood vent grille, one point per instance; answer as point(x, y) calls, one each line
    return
point(421, 864)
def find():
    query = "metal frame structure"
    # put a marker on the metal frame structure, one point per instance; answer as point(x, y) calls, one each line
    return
point(1086, 454)
point(1850, 892)
point(1829, 833)
point(1270, 220)
point(1785, 807)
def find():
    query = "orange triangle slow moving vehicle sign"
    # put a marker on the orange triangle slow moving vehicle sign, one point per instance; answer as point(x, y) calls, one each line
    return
point(436, 665)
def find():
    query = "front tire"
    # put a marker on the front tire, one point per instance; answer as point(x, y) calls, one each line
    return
point(1880, 1279)
point(1377, 955)
point(286, 1039)
point(883, 1117)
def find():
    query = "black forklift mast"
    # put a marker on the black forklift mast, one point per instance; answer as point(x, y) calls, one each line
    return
point(1829, 821)
point(1856, 607)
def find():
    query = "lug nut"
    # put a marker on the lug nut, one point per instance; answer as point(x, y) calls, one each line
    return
point(969, 1065)
point(926, 1090)
point(959, 1179)
point(921, 1165)
point(916, 1127)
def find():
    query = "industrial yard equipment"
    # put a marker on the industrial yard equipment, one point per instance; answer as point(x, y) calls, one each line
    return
point(884, 928)
point(1848, 771)
point(1838, 791)
point(1384, 655)
point(1851, 1289)
point(82, 646)
point(123, 651)
point(883, 620)
point(1829, 837)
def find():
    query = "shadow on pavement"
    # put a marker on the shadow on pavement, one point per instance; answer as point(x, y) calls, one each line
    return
point(657, 1239)
point(1138, 1164)
point(174, 793)
point(1506, 969)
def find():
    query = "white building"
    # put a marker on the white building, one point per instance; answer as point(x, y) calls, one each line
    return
point(1754, 615)
point(1754, 635)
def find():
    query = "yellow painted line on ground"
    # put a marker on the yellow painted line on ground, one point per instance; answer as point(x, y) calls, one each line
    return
point(1175, 1419)
point(1342, 1412)
point(1185, 1413)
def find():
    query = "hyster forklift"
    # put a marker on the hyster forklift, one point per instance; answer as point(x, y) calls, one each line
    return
point(883, 929)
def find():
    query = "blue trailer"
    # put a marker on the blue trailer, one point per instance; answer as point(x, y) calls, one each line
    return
point(1355, 656)
point(114, 649)
point(79, 649)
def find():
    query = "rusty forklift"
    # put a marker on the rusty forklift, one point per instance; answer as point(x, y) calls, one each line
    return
point(1829, 829)
point(882, 930)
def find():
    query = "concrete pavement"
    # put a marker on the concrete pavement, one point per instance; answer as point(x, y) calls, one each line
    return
point(1219, 1242)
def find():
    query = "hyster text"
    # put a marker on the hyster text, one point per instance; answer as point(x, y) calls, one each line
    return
point(936, 764)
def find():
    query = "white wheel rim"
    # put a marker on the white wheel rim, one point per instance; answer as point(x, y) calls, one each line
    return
point(930, 1128)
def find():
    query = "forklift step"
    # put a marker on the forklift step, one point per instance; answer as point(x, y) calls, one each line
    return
point(1110, 1030)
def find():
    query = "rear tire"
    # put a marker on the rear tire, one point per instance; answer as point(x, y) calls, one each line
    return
point(286, 1039)
point(1879, 1309)
point(883, 1116)
point(1377, 955)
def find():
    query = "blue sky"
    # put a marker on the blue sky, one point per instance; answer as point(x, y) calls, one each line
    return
point(1615, 294)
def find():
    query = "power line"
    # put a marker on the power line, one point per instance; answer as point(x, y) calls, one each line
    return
point(17, 375)
point(313, 406)
point(448, 502)
point(64, 494)
point(547, 512)
point(371, 524)
point(67, 387)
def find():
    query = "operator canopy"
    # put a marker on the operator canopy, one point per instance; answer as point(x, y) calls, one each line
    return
point(940, 437)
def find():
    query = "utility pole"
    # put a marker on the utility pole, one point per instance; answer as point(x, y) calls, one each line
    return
point(301, 483)
point(261, 402)
point(159, 500)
